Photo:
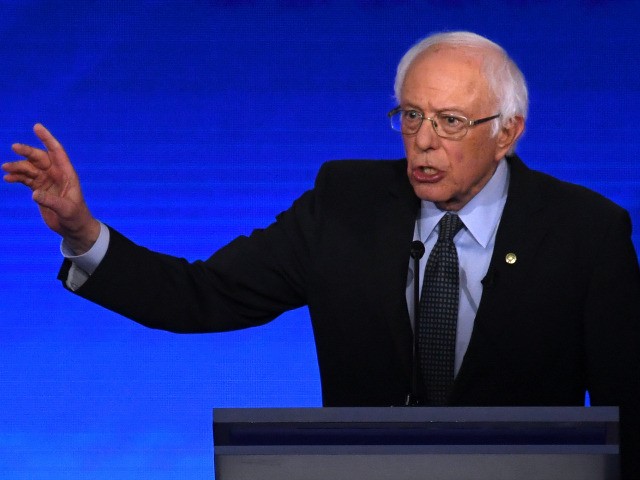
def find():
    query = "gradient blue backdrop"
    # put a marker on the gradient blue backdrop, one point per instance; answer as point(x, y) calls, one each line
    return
point(191, 122)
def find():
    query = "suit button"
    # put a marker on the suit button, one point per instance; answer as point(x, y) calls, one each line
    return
point(510, 258)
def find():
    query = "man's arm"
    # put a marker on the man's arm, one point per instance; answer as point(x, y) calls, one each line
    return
point(247, 283)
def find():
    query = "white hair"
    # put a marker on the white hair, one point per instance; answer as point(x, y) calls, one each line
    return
point(502, 74)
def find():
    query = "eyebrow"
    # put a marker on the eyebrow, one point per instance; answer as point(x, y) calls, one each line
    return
point(439, 110)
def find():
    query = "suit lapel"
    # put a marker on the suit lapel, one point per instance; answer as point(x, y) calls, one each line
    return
point(524, 223)
point(393, 233)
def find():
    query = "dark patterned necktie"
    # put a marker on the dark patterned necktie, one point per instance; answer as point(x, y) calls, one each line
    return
point(438, 317)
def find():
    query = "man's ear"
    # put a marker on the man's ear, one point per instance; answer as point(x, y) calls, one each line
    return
point(508, 135)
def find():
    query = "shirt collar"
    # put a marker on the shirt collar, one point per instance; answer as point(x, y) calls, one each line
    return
point(480, 216)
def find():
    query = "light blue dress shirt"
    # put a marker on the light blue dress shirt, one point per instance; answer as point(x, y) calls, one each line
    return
point(474, 244)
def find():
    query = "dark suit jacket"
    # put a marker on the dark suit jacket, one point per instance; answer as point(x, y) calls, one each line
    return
point(562, 319)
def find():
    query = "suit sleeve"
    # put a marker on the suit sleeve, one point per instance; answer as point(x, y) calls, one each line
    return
point(249, 282)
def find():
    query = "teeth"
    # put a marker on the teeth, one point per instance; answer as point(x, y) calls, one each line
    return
point(428, 170)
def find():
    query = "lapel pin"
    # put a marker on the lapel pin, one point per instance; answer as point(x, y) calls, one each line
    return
point(510, 258)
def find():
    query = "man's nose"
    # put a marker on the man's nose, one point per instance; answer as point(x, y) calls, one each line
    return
point(426, 136)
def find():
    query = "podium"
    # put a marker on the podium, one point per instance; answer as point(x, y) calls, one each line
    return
point(410, 443)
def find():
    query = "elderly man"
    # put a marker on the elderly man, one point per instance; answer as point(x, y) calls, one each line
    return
point(531, 287)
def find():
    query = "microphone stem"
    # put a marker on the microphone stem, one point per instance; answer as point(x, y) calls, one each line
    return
point(416, 311)
point(417, 251)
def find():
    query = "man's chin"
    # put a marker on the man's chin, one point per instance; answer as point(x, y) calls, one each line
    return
point(441, 200)
point(429, 193)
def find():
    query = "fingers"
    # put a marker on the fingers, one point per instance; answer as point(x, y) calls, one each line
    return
point(43, 159)
point(48, 140)
point(21, 167)
point(20, 172)
point(55, 151)
point(37, 157)
point(14, 178)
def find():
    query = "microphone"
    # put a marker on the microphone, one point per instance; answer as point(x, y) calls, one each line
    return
point(416, 251)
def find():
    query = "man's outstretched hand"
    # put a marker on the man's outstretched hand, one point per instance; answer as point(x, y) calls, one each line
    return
point(56, 189)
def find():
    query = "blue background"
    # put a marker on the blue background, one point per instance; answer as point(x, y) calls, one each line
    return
point(191, 122)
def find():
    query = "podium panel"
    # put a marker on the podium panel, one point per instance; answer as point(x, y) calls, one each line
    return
point(452, 443)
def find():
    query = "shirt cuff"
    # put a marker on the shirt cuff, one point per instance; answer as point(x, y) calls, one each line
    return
point(89, 261)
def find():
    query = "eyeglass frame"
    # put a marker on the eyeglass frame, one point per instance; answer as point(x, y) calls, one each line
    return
point(467, 123)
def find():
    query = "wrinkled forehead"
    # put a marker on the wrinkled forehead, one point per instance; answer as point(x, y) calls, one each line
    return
point(448, 71)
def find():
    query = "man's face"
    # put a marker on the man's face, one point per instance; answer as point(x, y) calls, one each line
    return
point(450, 172)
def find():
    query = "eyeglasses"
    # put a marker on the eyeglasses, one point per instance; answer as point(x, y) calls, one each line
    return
point(446, 125)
